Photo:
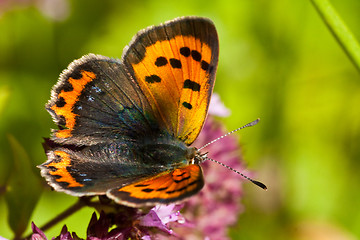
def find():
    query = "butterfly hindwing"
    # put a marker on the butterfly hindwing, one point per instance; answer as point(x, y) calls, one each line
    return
point(95, 170)
point(175, 65)
point(88, 171)
point(91, 170)
point(166, 187)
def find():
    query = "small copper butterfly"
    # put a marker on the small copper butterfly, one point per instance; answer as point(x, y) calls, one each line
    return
point(126, 126)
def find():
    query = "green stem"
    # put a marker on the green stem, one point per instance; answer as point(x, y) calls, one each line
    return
point(340, 31)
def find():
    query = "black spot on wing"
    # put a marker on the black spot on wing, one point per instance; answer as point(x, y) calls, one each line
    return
point(141, 185)
point(60, 102)
point(67, 87)
point(192, 85)
point(161, 189)
point(183, 188)
point(76, 74)
point(147, 190)
point(196, 55)
point(204, 65)
point(185, 51)
point(187, 105)
point(152, 79)
point(161, 61)
point(175, 63)
point(183, 179)
point(182, 174)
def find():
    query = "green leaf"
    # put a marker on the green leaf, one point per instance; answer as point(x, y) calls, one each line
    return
point(23, 189)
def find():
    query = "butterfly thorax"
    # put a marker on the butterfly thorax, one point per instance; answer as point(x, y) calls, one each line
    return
point(166, 153)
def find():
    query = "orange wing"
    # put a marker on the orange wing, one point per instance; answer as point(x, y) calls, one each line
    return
point(175, 65)
point(163, 188)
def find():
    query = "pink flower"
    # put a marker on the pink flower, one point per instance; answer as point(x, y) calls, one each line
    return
point(217, 206)
point(131, 223)
point(217, 108)
point(37, 233)
point(65, 235)
point(162, 216)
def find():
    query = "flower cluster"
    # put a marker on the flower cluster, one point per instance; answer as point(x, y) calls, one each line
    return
point(130, 223)
point(217, 206)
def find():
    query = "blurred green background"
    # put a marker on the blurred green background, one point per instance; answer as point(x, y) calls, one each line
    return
point(278, 61)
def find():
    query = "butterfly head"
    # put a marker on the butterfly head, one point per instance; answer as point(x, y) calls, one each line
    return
point(194, 156)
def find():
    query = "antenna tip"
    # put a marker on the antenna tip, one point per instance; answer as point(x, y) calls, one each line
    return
point(259, 184)
point(256, 121)
point(252, 123)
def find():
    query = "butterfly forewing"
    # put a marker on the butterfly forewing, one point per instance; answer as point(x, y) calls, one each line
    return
point(175, 66)
point(95, 100)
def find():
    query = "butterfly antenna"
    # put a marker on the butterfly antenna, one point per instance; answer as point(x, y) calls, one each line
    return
point(227, 134)
point(257, 183)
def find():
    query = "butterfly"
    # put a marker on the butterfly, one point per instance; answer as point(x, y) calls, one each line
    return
point(126, 126)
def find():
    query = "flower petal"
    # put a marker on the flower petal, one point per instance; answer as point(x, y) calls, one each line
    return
point(37, 233)
point(217, 107)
